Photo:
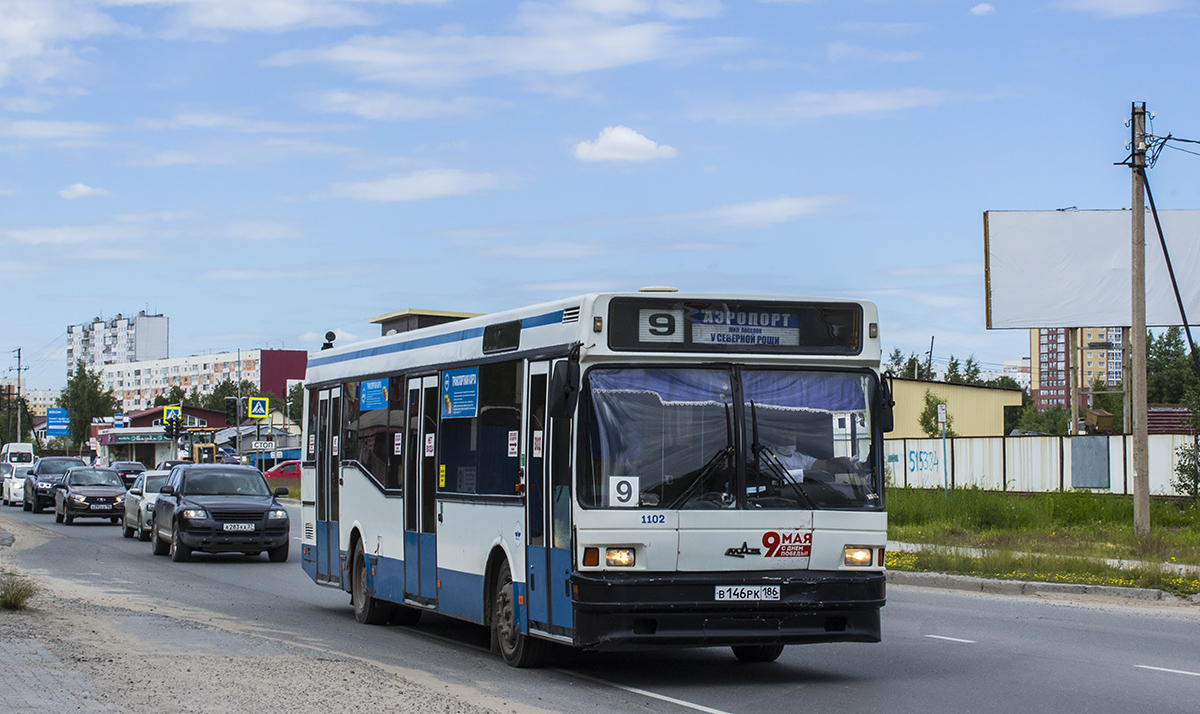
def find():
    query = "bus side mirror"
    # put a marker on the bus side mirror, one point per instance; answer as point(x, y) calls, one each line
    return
point(887, 417)
point(564, 389)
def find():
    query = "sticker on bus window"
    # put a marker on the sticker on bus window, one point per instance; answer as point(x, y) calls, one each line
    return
point(312, 443)
point(537, 444)
point(514, 444)
point(398, 443)
point(335, 440)
point(441, 476)
point(429, 444)
point(623, 491)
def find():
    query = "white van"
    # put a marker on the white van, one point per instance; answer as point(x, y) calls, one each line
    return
point(16, 453)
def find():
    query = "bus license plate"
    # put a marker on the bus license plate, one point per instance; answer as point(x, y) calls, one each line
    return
point(239, 526)
point(744, 592)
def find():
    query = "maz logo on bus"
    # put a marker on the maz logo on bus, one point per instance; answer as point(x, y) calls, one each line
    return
point(788, 544)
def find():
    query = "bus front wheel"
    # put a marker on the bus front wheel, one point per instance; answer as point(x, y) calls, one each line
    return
point(367, 610)
point(517, 649)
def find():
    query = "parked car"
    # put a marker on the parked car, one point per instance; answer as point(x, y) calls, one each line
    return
point(284, 469)
point(89, 492)
point(170, 464)
point(139, 503)
point(12, 490)
point(39, 482)
point(219, 508)
point(128, 470)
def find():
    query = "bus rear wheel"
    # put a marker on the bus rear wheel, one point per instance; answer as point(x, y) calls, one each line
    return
point(367, 609)
point(757, 653)
point(517, 649)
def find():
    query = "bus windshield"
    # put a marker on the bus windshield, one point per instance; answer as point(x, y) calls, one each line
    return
point(668, 434)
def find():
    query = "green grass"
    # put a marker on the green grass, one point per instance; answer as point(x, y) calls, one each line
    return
point(15, 591)
point(1069, 530)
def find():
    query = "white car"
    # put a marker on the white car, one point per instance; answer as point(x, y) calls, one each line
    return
point(139, 504)
point(12, 493)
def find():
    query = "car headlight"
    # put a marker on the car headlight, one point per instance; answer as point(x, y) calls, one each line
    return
point(78, 499)
point(43, 484)
point(276, 514)
point(120, 498)
point(857, 556)
point(194, 513)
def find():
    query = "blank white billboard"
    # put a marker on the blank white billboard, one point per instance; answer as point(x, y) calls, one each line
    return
point(1071, 268)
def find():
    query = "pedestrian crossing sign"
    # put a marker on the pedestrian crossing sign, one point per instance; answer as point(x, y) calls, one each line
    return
point(258, 407)
point(170, 413)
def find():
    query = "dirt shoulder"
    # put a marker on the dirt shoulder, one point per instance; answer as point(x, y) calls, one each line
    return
point(74, 650)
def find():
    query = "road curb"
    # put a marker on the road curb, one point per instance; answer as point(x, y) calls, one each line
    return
point(1027, 587)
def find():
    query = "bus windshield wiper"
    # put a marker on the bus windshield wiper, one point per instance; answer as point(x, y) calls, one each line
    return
point(772, 461)
point(701, 476)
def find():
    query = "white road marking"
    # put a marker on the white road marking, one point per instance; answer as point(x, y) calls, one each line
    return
point(645, 693)
point(951, 639)
point(1164, 669)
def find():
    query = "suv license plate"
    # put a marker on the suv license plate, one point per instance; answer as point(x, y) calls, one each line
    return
point(239, 526)
point(747, 592)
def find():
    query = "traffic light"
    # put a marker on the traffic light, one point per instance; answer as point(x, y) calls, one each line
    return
point(231, 410)
point(169, 429)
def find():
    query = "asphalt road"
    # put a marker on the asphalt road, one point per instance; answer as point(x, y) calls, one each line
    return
point(942, 651)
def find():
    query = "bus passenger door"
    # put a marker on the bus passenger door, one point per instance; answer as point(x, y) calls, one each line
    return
point(420, 492)
point(328, 473)
point(548, 509)
point(537, 556)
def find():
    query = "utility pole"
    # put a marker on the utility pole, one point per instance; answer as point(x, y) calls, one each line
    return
point(1137, 373)
point(929, 361)
point(18, 351)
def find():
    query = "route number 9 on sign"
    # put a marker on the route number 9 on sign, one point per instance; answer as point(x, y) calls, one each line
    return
point(623, 491)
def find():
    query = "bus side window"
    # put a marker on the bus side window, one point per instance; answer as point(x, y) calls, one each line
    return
point(560, 482)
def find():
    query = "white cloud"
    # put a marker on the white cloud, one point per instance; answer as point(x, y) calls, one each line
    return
point(620, 143)
point(686, 9)
point(545, 250)
point(417, 186)
point(36, 129)
point(388, 106)
point(839, 51)
point(79, 190)
point(983, 8)
point(224, 154)
point(759, 213)
point(267, 15)
point(34, 36)
point(554, 41)
point(204, 120)
point(1119, 8)
point(252, 276)
point(814, 105)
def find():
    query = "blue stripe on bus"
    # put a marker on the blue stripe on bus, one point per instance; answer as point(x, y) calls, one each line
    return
point(319, 360)
point(461, 595)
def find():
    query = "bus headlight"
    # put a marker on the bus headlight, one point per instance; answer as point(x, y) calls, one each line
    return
point(856, 556)
point(620, 557)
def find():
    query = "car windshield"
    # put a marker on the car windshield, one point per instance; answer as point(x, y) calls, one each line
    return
point(5, 469)
point(225, 483)
point(95, 477)
point(57, 466)
point(665, 438)
point(154, 484)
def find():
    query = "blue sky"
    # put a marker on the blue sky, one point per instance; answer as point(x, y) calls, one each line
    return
point(262, 171)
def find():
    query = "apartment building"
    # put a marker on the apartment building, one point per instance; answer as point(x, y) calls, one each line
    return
point(118, 340)
point(1098, 354)
point(136, 384)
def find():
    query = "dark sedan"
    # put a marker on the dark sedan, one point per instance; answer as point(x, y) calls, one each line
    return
point(129, 470)
point(89, 492)
point(219, 508)
point(39, 482)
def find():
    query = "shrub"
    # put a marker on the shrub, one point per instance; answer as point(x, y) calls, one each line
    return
point(15, 591)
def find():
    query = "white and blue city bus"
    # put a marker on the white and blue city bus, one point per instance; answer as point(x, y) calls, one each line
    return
point(611, 471)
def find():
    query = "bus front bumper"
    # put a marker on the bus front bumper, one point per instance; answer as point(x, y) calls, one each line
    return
point(616, 611)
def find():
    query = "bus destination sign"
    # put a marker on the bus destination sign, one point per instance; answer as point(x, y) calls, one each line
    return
point(743, 326)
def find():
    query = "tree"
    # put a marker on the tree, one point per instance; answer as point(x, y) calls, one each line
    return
point(971, 371)
point(8, 419)
point(85, 399)
point(1050, 421)
point(953, 373)
point(1187, 457)
point(928, 418)
point(296, 402)
point(1169, 370)
point(216, 400)
point(174, 395)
